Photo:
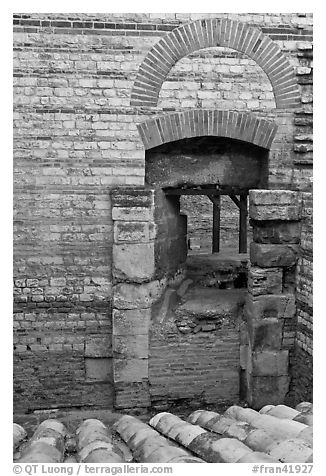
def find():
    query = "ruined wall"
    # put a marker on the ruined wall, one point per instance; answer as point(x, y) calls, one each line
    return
point(75, 138)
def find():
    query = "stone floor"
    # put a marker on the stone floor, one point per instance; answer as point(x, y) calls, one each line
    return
point(239, 435)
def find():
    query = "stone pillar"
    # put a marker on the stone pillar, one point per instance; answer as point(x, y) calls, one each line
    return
point(134, 291)
point(270, 307)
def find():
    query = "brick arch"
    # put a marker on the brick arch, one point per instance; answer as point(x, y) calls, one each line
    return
point(209, 33)
point(242, 126)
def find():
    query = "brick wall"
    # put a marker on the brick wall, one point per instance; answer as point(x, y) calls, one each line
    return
point(75, 137)
point(301, 362)
point(196, 369)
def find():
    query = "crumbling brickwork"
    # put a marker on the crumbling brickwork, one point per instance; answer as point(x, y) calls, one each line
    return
point(77, 102)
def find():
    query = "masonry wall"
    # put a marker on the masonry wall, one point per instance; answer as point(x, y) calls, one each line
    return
point(195, 369)
point(75, 138)
point(302, 365)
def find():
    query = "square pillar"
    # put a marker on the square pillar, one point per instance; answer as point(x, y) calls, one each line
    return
point(270, 306)
point(134, 290)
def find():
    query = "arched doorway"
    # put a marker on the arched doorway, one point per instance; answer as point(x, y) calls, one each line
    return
point(194, 340)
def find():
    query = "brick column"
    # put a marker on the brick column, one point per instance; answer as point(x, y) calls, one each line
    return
point(270, 307)
point(134, 290)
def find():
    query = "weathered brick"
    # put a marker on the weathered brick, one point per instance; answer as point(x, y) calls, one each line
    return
point(32, 283)
point(58, 281)
point(264, 280)
point(136, 198)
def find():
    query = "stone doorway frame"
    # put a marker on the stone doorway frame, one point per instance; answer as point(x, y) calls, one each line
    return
point(267, 333)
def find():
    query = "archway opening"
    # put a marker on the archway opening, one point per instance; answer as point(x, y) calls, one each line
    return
point(202, 185)
point(210, 178)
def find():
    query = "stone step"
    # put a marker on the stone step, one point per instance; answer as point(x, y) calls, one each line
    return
point(201, 303)
point(221, 270)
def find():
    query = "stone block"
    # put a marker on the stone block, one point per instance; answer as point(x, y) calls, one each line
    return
point(268, 363)
point(20, 283)
point(98, 346)
point(275, 212)
point(133, 262)
point(98, 369)
point(274, 197)
point(277, 232)
point(58, 281)
point(265, 334)
point(134, 232)
point(137, 296)
point(132, 214)
point(130, 370)
point(126, 347)
point(133, 322)
point(132, 197)
point(33, 283)
point(274, 205)
point(268, 256)
point(270, 390)
point(264, 280)
point(280, 306)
